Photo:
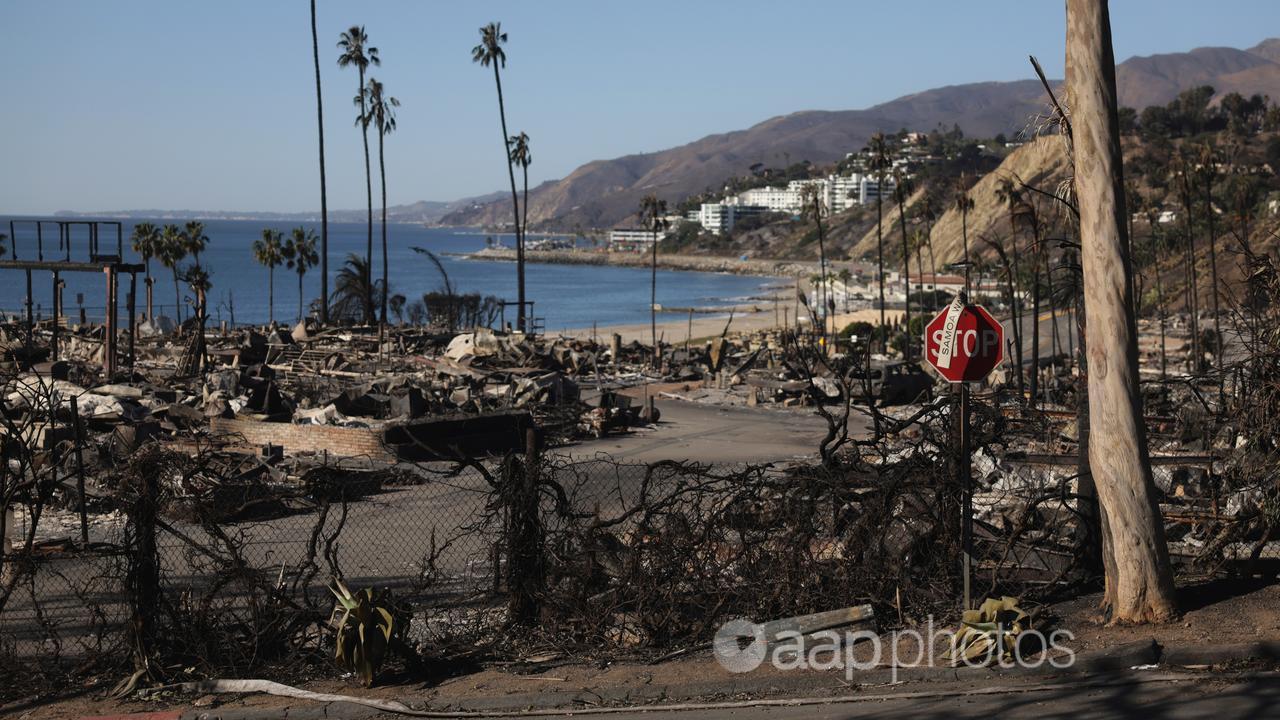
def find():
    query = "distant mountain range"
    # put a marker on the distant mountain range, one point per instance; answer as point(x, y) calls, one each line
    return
point(425, 211)
point(603, 193)
point(606, 192)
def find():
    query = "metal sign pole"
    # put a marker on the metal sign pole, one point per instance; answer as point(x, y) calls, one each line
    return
point(966, 490)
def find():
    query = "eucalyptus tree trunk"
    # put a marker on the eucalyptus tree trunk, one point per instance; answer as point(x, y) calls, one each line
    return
point(1139, 578)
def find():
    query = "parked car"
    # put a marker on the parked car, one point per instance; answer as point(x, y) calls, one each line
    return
point(897, 383)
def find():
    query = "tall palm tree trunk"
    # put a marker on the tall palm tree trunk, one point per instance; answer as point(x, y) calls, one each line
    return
point(906, 277)
point(1016, 309)
point(177, 297)
point(1193, 289)
point(1139, 579)
point(271, 295)
point(515, 205)
point(326, 302)
point(382, 174)
point(324, 195)
point(1035, 330)
point(653, 297)
point(822, 263)
point(368, 189)
point(147, 282)
point(884, 331)
point(1213, 270)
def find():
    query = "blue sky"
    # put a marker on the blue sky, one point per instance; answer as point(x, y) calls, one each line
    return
point(211, 105)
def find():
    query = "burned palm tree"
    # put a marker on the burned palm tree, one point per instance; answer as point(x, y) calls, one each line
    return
point(964, 204)
point(880, 164)
point(1208, 173)
point(901, 191)
point(653, 215)
point(1009, 194)
point(814, 208)
point(1182, 170)
point(170, 253)
point(352, 293)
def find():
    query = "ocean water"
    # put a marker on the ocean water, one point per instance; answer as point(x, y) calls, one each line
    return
point(566, 296)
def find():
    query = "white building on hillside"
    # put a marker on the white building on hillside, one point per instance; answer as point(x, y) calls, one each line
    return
point(631, 239)
point(719, 218)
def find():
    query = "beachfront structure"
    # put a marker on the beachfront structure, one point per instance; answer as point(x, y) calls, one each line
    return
point(631, 239)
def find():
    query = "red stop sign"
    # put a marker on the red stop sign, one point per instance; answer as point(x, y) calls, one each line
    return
point(964, 343)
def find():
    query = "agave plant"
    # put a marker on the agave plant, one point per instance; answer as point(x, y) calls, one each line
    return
point(990, 633)
point(370, 623)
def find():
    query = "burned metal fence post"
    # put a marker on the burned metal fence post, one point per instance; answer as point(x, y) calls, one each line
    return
point(526, 564)
point(79, 441)
point(143, 579)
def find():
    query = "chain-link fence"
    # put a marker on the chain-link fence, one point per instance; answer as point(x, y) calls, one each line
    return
point(584, 552)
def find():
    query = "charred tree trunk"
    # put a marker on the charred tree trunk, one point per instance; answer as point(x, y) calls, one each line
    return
point(1139, 578)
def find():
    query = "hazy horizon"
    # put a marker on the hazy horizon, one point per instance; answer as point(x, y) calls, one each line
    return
point(153, 105)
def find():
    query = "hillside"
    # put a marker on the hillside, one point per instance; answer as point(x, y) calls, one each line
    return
point(605, 192)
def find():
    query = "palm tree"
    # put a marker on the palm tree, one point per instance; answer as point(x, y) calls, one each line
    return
point(901, 190)
point(172, 250)
point(518, 151)
point(381, 112)
point(813, 206)
point(1181, 167)
point(351, 293)
point(490, 52)
point(356, 51)
point(194, 240)
point(964, 204)
point(844, 275)
point(1025, 214)
point(1010, 195)
point(1208, 164)
point(880, 166)
point(929, 213)
point(653, 215)
point(269, 251)
point(146, 243)
point(396, 303)
point(324, 196)
point(1153, 248)
point(300, 255)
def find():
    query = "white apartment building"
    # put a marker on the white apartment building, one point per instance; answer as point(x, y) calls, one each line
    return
point(869, 190)
point(838, 193)
point(719, 218)
point(631, 239)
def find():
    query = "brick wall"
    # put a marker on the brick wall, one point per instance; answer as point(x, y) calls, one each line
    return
point(339, 441)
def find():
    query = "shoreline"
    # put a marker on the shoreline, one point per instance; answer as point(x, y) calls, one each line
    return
point(689, 263)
